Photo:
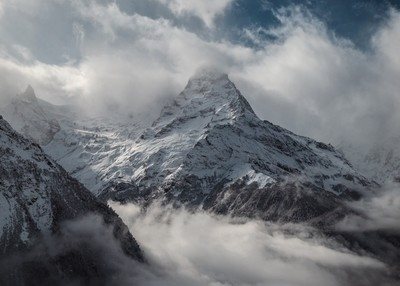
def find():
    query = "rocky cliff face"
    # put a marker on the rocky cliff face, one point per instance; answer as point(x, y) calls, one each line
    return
point(37, 197)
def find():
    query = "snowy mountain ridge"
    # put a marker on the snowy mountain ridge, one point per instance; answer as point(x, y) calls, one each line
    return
point(206, 141)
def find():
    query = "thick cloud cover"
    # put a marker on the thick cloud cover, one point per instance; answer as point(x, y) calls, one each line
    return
point(186, 248)
point(324, 87)
point(306, 79)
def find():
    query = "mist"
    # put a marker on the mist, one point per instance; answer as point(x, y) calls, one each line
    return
point(186, 248)
point(380, 211)
point(82, 251)
point(183, 247)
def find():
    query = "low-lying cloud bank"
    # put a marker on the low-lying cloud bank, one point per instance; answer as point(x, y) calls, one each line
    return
point(378, 212)
point(186, 248)
point(198, 249)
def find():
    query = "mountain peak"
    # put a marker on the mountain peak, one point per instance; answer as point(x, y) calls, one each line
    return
point(210, 98)
point(28, 95)
point(215, 87)
point(209, 74)
point(28, 117)
point(208, 81)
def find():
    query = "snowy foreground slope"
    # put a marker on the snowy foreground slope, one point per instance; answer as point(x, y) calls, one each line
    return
point(37, 197)
point(207, 148)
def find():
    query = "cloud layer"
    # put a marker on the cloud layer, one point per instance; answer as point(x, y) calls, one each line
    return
point(201, 249)
point(306, 79)
point(206, 10)
point(378, 212)
point(197, 249)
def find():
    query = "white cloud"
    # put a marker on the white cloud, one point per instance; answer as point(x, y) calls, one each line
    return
point(198, 249)
point(139, 60)
point(387, 41)
point(54, 82)
point(379, 211)
point(202, 249)
point(206, 10)
point(307, 81)
point(323, 87)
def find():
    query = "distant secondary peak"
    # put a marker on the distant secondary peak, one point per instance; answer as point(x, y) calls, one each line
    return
point(28, 95)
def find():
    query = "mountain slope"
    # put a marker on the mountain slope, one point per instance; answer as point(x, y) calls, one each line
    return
point(209, 148)
point(237, 143)
point(37, 197)
point(205, 144)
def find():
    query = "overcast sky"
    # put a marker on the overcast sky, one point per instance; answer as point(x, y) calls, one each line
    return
point(325, 69)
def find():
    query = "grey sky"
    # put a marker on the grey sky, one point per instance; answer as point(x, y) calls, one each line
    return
point(296, 68)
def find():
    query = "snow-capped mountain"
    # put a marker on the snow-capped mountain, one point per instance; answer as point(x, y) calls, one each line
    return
point(207, 148)
point(36, 197)
point(380, 162)
point(29, 118)
point(211, 134)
